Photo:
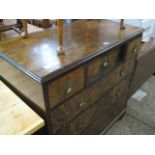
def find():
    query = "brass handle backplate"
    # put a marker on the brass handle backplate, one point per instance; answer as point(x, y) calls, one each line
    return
point(69, 90)
point(69, 87)
point(134, 49)
point(104, 63)
point(122, 73)
point(82, 103)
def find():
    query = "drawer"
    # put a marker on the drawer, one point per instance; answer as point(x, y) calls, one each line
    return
point(105, 118)
point(84, 119)
point(65, 86)
point(133, 47)
point(102, 64)
point(72, 107)
point(85, 98)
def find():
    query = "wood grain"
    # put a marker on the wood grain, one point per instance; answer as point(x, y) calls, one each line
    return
point(105, 118)
point(23, 83)
point(81, 101)
point(63, 82)
point(15, 116)
point(133, 47)
point(102, 64)
point(66, 86)
point(88, 117)
point(83, 40)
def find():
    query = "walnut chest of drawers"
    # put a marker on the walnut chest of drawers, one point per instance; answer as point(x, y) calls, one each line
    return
point(86, 90)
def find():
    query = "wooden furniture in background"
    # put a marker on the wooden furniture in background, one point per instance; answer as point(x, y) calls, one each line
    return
point(11, 33)
point(16, 118)
point(122, 26)
point(17, 27)
point(83, 91)
point(42, 23)
point(60, 48)
point(145, 65)
point(25, 30)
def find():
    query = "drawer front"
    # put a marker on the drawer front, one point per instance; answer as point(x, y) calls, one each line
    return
point(83, 120)
point(133, 47)
point(65, 86)
point(105, 118)
point(84, 99)
point(102, 64)
point(72, 107)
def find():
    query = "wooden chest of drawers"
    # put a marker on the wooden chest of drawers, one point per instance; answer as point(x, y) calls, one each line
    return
point(82, 92)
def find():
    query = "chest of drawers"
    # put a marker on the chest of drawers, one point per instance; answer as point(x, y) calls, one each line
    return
point(82, 92)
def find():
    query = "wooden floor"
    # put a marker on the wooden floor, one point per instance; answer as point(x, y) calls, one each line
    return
point(15, 116)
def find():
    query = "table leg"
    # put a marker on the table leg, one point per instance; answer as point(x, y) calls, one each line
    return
point(25, 31)
point(60, 49)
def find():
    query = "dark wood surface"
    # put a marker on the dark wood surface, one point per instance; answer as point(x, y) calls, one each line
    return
point(83, 40)
point(105, 118)
point(133, 47)
point(66, 87)
point(73, 107)
point(102, 64)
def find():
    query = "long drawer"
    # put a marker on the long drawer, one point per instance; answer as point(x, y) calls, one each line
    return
point(84, 119)
point(105, 118)
point(84, 99)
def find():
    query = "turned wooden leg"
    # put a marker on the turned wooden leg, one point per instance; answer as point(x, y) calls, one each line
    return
point(122, 26)
point(25, 31)
point(60, 49)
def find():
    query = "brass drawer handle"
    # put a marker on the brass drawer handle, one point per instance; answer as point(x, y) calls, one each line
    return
point(69, 90)
point(69, 87)
point(122, 73)
point(134, 50)
point(105, 63)
point(82, 103)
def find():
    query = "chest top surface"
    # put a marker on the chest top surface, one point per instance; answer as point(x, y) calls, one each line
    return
point(83, 40)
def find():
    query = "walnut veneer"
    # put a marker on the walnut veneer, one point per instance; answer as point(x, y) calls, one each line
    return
point(83, 91)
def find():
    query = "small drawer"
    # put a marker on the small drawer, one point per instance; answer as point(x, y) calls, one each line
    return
point(124, 69)
point(102, 64)
point(65, 86)
point(133, 47)
point(84, 119)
